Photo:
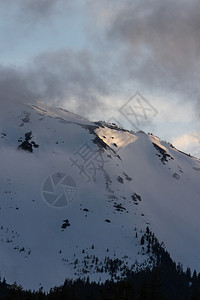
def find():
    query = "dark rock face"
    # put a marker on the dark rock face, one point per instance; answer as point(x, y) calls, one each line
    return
point(65, 224)
point(26, 145)
point(136, 197)
point(120, 179)
point(164, 156)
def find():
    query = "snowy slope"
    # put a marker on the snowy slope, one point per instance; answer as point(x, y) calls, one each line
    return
point(86, 193)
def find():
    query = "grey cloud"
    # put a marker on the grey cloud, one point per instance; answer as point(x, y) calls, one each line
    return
point(56, 78)
point(28, 11)
point(159, 43)
point(40, 7)
point(153, 43)
point(15, 85)
point(63, 75)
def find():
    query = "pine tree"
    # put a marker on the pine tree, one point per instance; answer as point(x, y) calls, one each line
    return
point(188, 273)
point(142, 240)
point(147, 230)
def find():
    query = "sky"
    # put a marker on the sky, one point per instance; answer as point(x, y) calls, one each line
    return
point(134, 63)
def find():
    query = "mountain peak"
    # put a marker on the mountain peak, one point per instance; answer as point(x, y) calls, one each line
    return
point(85, 195)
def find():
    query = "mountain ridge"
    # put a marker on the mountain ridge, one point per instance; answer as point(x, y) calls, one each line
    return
point(124, 181)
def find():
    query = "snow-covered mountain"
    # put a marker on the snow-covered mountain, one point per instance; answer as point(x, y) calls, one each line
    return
point(75, 195)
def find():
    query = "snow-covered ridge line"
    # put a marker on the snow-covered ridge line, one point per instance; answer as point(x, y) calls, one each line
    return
point(122, 180)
